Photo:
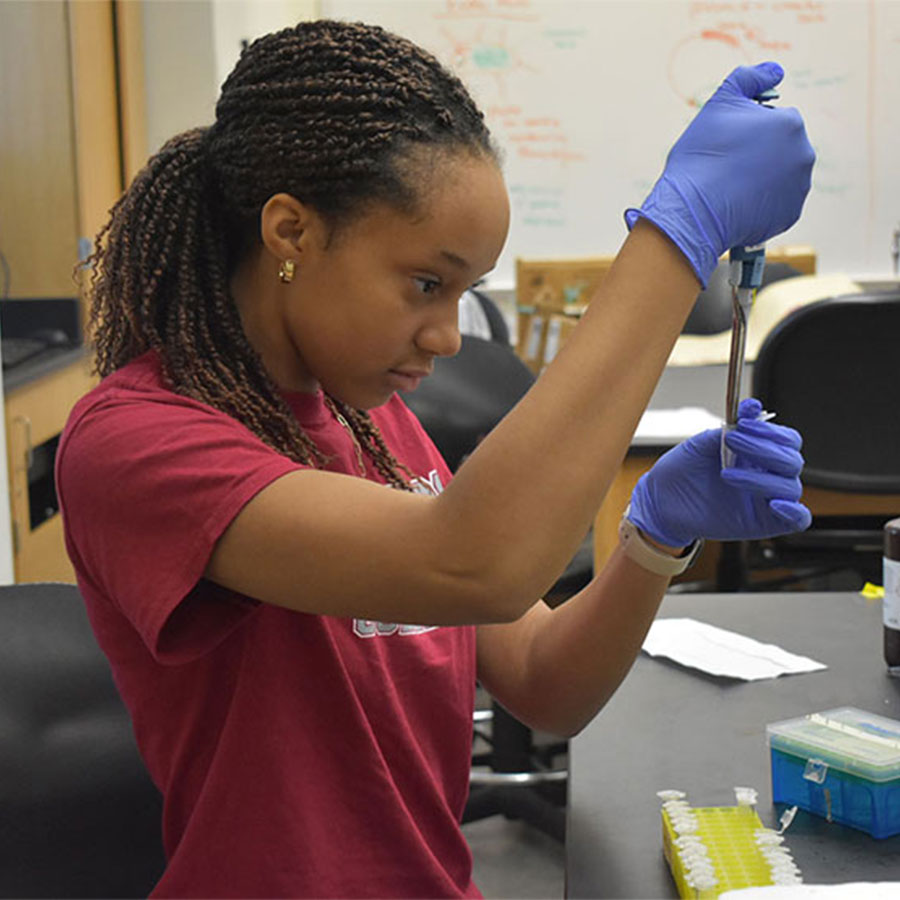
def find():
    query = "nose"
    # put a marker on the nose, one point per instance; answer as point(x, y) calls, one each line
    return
point(439, 335)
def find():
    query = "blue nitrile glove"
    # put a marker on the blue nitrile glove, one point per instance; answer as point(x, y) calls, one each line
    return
point(737, 176)
point(687, 495)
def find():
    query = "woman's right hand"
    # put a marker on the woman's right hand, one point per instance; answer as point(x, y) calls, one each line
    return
point(737, 176)
point(688, 495)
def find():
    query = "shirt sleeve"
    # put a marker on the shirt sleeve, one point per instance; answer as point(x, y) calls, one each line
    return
point(146, 489)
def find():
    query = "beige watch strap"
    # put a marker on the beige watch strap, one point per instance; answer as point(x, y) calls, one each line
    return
point(649, 557)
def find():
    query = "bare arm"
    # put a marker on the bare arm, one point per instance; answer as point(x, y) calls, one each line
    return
point(516, 511)
point(554, 669)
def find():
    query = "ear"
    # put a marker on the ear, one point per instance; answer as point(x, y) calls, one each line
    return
point(288, 227)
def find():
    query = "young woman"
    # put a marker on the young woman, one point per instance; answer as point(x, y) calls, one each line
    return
point(294, 597)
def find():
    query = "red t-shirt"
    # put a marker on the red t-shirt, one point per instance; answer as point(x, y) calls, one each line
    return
point(299, 755)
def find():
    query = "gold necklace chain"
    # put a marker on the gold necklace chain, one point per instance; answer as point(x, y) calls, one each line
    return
point(360, 462)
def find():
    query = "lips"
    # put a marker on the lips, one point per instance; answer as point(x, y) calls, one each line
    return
point(407, 379)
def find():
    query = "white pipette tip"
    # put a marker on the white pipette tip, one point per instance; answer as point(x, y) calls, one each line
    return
point(786, 818)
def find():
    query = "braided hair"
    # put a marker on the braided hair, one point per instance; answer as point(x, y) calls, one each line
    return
point(329, 112)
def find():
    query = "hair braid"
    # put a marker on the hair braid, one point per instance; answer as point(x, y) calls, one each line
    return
point(372, 442)
point(159, 283)
point(328, 112)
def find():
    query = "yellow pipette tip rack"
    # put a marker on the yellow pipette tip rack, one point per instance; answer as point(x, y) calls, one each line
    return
point(715, 849)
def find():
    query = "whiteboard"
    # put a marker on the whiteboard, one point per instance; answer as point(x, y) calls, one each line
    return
point(585, 97)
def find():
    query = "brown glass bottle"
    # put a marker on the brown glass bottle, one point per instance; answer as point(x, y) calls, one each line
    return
point(892, 596)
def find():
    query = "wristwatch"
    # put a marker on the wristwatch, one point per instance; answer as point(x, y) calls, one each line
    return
point(649, 557)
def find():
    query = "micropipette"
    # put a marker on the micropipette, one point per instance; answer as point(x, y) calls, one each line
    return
point(745, 272)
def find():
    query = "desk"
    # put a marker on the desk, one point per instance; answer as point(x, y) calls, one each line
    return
point(672, 727)
point(704, 386)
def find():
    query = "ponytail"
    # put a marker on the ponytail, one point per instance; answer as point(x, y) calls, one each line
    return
point(160, 282)
point(326, 111)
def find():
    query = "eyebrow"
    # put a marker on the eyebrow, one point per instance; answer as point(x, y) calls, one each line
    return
point(457, 261)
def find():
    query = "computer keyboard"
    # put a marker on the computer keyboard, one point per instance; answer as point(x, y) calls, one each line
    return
point(15, 351)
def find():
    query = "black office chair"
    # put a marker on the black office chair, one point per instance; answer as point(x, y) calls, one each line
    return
point(712, 310)
point(466, 396)
point(79, 816)
point(830, 370)
point(495, 319)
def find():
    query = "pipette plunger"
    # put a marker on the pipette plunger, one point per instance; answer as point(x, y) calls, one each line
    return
point(745, 273)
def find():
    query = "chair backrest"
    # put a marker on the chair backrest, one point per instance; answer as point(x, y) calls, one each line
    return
point(499, 328)
point(79, 816)
point(468, 394)
point(712, 310)
point(831, 369)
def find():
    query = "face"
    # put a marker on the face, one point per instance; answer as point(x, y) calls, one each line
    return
point(370, 310)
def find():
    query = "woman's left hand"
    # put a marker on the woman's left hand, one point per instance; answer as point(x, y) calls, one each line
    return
point(687, 495)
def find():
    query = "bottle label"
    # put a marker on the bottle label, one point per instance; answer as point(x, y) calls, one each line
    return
point(892, 593)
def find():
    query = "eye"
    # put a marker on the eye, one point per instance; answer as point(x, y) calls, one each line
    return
point(426, 285)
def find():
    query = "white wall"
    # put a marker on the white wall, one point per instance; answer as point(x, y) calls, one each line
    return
point(190, 46)
point(235, 21)
point(179, 67)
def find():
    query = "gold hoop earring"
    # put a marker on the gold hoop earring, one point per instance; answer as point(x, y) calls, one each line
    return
point(286, 271)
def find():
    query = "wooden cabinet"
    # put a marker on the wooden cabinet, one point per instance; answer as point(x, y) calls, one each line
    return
point(60, 172)
point(35, 416)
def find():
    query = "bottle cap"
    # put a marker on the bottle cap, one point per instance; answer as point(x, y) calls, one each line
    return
point(892, 539)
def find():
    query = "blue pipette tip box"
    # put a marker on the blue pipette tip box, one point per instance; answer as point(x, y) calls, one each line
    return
point(842, 764)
